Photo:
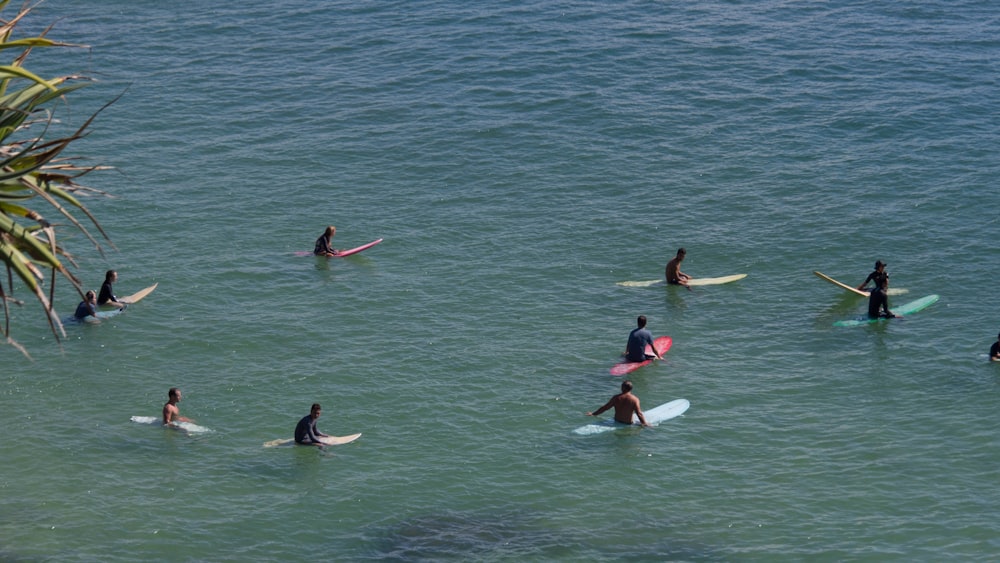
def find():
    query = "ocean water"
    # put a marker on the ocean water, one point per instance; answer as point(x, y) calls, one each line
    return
point(519, 159)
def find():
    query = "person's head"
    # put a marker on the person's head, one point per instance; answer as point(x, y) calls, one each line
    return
point(626, 386)
point(330, 231)
point(315, 410)
point(641, 321)
point(174, 394)
point(681, 253)
point(879, 265)
point(90, 295)
point(110, 276)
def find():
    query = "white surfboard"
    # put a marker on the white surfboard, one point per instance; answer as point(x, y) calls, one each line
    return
point(327, 440)
point(189, 427)
point(654, 416)
point(692, 282)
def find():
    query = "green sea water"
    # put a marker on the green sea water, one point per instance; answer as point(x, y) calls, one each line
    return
point(519, 159)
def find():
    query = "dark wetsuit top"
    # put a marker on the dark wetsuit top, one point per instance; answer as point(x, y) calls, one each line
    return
point(878, 302)
point(84, 309)
point(323, 246)
point(995, 349)
point(635, 350)
point(306, 432)
point(106, 294)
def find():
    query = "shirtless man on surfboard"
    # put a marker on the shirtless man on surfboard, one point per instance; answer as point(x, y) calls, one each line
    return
point(170, 411)
point(673, 271)
point(626, 404)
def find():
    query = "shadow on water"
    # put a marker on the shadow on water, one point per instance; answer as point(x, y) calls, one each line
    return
point(513, 534)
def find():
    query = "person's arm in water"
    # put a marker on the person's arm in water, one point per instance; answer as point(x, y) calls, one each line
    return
point(638, 412)
point(606, 406)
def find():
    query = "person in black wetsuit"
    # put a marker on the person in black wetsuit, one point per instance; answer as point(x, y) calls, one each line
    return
point(306, 432)
point(107, 295)
point(87, 307)
point(323, 243)
point(995, 350)
point(878, 301)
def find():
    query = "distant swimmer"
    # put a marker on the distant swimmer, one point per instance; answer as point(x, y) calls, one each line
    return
point(638, 339)
point(171, 413)
point(878, 301)
point(87, 307)
point(626, 404)
point(995, 350)
point(107, 295)
point(324, 242)
point(306, 432)
point(673, 270)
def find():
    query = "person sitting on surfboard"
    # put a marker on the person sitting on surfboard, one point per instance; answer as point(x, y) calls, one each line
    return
point(323, 243)
point(673, 270)
point(995, 350)
point(107, 295)
point(87, 307)
point(170, 411)
point(306, 432)
point(878, 301)
point(626, 404)
point(638, 339)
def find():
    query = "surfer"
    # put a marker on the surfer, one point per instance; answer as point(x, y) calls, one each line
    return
point(626, 404)
point(170, 411)
point(638, 339)
point(323, 243)
point(107, 295)
point(673, 270)
point(306, 432)
point(87, 307)
point(995, 350)
point(878, 301)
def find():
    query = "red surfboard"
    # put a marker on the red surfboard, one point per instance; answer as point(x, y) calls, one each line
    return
point(344, 253)
point(662, 344)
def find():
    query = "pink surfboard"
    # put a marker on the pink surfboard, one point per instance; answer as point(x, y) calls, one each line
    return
point(662, 344)
point(343, 253)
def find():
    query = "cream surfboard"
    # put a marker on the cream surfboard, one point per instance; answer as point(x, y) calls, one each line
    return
point(692, 282)
point(825, 277)
point(892, 290)
point(136, 297)
point(327, 440)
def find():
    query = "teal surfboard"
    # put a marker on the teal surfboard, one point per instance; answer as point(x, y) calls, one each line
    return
point(902, 310)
